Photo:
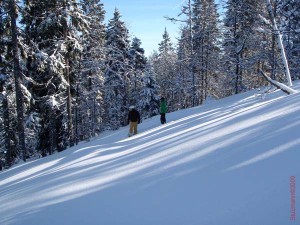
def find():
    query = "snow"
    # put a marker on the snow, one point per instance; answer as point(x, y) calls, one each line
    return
point(227, 162)
point(52, 102)
point(285, 87)
point(282, 86)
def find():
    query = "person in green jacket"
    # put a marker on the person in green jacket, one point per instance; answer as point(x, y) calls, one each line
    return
point(163, 110)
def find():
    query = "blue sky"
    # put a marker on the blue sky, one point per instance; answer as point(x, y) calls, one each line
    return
point(145, 19)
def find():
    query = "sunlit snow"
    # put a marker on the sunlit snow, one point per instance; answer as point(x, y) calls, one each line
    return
point(228, 162)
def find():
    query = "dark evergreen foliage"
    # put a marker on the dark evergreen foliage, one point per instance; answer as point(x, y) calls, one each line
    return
point(89, 88)
point(289, 14)
point(137, 63)
point(148, 103)
point(165, 69)
point(117, 73)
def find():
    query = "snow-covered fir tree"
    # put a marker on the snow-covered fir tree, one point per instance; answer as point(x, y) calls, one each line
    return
point(289, 14)
point(52, 29)
point(137, 62)
point(185, 53)
point(89, 102)
point(7, 104)
point(185, 68)
point(14, 135)
point(117, 73)
point(16, 48)
point(206, 48)
point(45, 67)
point(242, 44)
point(166, 70)
point(73, 21)
point(148, 103)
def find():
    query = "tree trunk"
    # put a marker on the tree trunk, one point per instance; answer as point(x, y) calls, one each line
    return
point(94, 117)
point(274, 61)
point(67, 77)
point(280, 43)
point(237, 63)
point(52, 131)
point(69, 103)
point(18, 81)
point(190, 23)
point(273, 75)
point(6, 129)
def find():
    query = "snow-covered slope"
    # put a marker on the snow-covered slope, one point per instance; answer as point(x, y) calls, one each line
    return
point(228, 162)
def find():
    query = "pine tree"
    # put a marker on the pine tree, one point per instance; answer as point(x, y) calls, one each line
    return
point(137, 62)
point(6, 152)
point(186, 74)
point(166, 70)
point(185, 79)
point(242, 43)
point(206, 47)
point(45, 65)
point(279, 41)
point(10, 151)
point(90, 82)
point(148, 103)
point(290, 25)
point(53, 29)
point(117, 72)
point(13, 12)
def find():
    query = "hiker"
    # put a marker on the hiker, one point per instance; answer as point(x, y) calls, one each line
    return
point(133, 120)
point(163, 110)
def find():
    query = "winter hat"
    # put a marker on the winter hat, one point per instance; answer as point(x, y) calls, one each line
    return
point(131, 107)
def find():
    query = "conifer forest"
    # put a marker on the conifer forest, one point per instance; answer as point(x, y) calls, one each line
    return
point(68, 73)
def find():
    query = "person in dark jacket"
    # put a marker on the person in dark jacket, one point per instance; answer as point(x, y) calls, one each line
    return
point(133, 120)
point(163, 110)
